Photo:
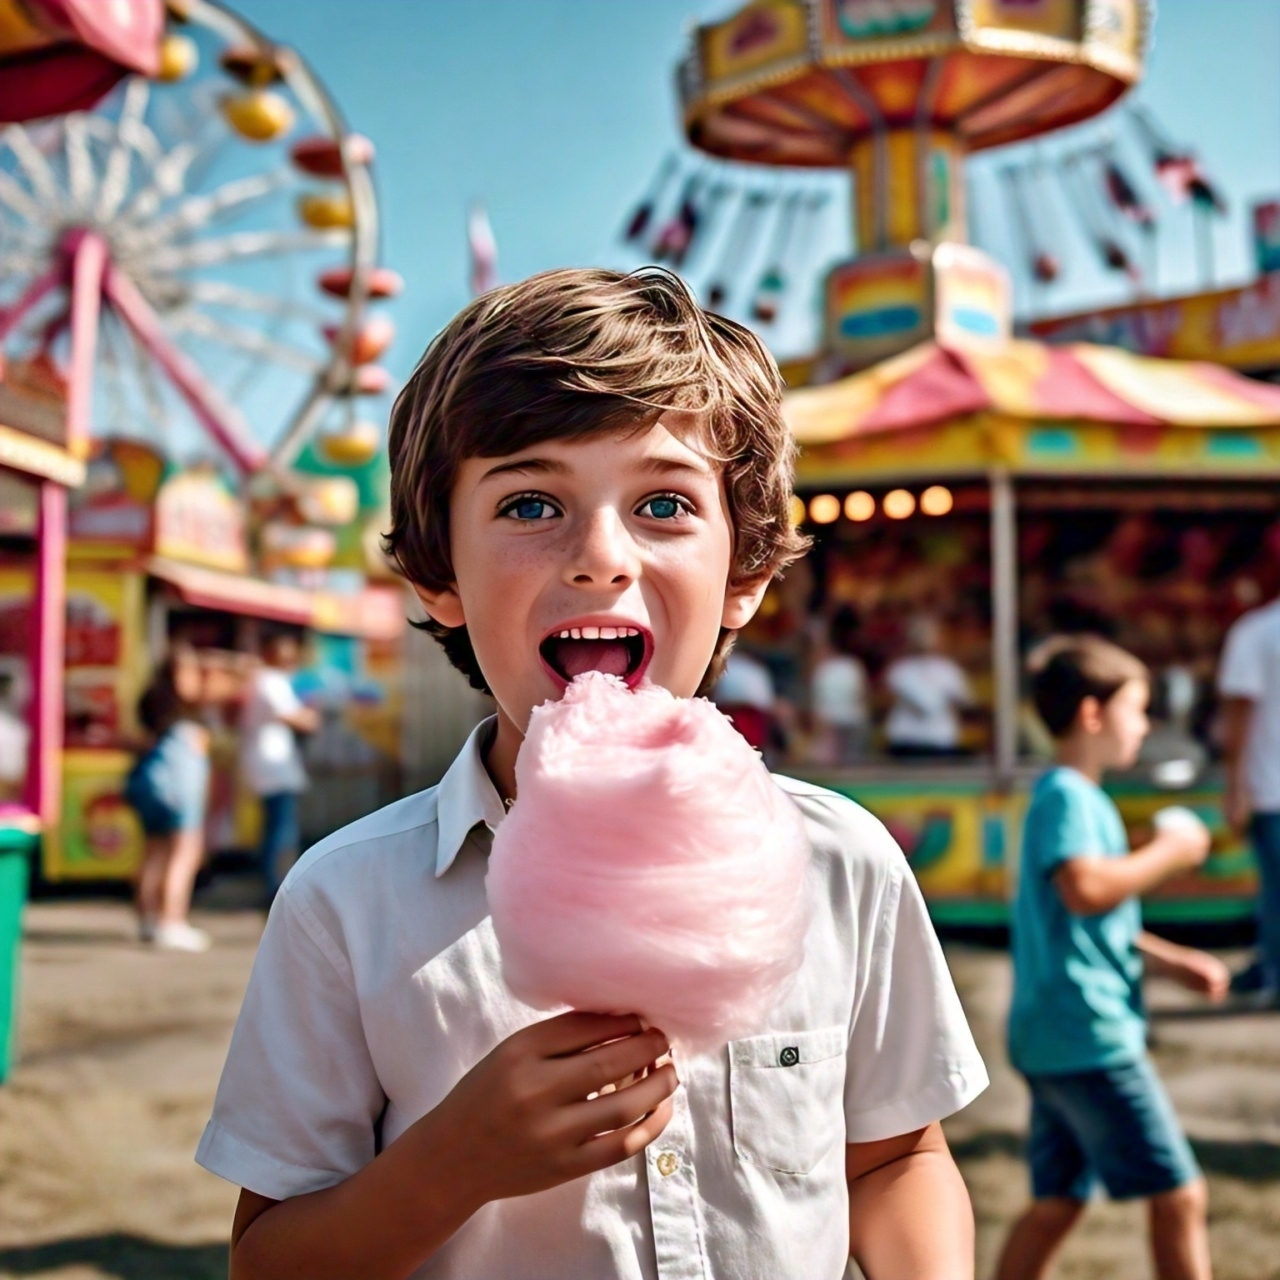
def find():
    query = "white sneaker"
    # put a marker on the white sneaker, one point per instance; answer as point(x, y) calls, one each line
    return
point(181, 937)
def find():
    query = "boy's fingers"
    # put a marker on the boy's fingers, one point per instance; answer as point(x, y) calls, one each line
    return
point(603, 1065)
point(624, 1107)
point(611, 1148)
point(572, 1032)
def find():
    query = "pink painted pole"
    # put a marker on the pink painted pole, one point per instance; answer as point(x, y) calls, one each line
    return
point(219, 419)
point(44, 774)
point(88, 266)
point(35, 292)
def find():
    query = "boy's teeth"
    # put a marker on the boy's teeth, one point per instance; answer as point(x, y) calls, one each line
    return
point(591, 633)
point(576, 632)
point(608, 633)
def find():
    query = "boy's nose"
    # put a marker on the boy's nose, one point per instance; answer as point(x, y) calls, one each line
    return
point(604, 554)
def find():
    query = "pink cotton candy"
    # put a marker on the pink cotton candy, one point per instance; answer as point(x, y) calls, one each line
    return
point(650, 865)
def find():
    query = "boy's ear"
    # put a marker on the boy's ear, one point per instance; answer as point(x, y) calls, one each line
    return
point(1089, 717)
point(444, 607)
point(741, 603)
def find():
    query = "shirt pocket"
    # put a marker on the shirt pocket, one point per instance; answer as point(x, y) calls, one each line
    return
point(786, 1097)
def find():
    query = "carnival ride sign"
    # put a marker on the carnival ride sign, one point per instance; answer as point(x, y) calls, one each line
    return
point(762, 39)
point(877, 304)
point(200, 521)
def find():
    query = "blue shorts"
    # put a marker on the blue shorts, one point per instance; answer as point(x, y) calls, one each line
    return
point(168, 786)
point(1113, 1125)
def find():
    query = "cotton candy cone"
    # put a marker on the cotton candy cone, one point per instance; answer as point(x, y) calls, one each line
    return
point(650, 865)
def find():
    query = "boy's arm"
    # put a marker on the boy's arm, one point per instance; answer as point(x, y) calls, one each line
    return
point(520, 1121)
point(1195, 970)
point(1088, 886)
point(1237, 719)
point(909, 1213)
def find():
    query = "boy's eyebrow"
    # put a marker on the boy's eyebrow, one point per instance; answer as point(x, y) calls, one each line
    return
point(667, 466)
point(543, 465)
point(550, 466)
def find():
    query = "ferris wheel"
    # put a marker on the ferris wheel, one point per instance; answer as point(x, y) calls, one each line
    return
point(195, 258)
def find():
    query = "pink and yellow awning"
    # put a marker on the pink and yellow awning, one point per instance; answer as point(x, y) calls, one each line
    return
point(1031, 406)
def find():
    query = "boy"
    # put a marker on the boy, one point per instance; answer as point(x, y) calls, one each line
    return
point(1076, 1029)
point(592, 453)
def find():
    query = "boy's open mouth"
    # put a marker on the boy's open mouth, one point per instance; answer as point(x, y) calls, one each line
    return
point(622, 651)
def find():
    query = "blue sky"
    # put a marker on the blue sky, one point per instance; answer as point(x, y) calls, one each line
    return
point(556, 113)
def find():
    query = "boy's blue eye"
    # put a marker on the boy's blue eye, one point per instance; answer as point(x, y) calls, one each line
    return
point(529, 509)
point(664, 507)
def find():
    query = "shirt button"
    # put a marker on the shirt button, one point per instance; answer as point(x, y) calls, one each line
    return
point(668, 1162)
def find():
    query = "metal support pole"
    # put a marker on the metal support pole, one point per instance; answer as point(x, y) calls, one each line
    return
point(88, 252)
point(1004, 624)
point(47, 641)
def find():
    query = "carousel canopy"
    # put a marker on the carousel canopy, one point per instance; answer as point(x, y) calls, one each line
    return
point(1029, 380)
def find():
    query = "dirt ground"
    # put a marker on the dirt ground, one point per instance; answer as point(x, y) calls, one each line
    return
point(121, 1049)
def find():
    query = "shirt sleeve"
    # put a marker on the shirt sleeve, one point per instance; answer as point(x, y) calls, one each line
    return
point(1058, 828)
point(911, 1058)
point(299, 1098)
point(1240, 673)
point(278, 695)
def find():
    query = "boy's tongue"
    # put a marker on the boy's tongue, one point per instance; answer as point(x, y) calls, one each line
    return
point(576, 656)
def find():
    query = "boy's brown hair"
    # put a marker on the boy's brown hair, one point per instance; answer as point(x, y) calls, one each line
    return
point(575, 353)
point(1065, 670)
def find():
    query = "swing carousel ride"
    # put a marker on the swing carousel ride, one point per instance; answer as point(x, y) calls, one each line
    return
point(993, 487)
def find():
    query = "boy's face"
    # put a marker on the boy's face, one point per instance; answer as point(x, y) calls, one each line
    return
point(1123, 724)
point(609, 553)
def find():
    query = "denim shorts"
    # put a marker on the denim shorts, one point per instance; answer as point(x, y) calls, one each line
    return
point(168, 786)
point(1113, 1125)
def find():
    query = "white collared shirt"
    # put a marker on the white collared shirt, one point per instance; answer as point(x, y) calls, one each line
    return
point(377, 987)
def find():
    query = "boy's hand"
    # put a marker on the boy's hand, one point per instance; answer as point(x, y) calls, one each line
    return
point(1190, 843)
point(1198, 971)
point(523, 1119)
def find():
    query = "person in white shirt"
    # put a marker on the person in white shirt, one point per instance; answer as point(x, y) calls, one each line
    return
point(388, 1108)
point(1249, 684)
point(929, 690)
point(270, 758)
point(15, 740)
point(745, 693)
point(838, 695)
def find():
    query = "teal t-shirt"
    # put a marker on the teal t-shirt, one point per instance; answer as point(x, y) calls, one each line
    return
point(1077, 994)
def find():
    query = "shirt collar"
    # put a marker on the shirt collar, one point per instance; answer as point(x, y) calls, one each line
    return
point(466, 797)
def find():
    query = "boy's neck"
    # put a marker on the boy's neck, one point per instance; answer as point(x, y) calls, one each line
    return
point(500, 757)
point(1079, 752)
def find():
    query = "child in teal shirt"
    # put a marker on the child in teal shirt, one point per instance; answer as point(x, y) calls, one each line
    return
point(1077, 1031)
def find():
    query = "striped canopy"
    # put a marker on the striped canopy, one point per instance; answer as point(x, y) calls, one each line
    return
point(1029, 382)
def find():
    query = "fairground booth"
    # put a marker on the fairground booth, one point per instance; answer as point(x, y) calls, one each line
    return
point(1012, 490)
point(158, 555)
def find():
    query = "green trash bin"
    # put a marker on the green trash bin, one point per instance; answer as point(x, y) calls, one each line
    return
point(16, 848)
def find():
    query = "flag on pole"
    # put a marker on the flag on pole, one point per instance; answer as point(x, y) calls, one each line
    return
point(484, 251)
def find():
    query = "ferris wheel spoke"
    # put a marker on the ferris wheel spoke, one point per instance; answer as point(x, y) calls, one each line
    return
point(244, 244)
point(17, 199)
point(34, 165)
point(252, 341)
point(115, 183)
point(157, 410)
point(198, 211)
point(75, 144)
point(167, 176)
point(219, 293)
point(115, 393)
